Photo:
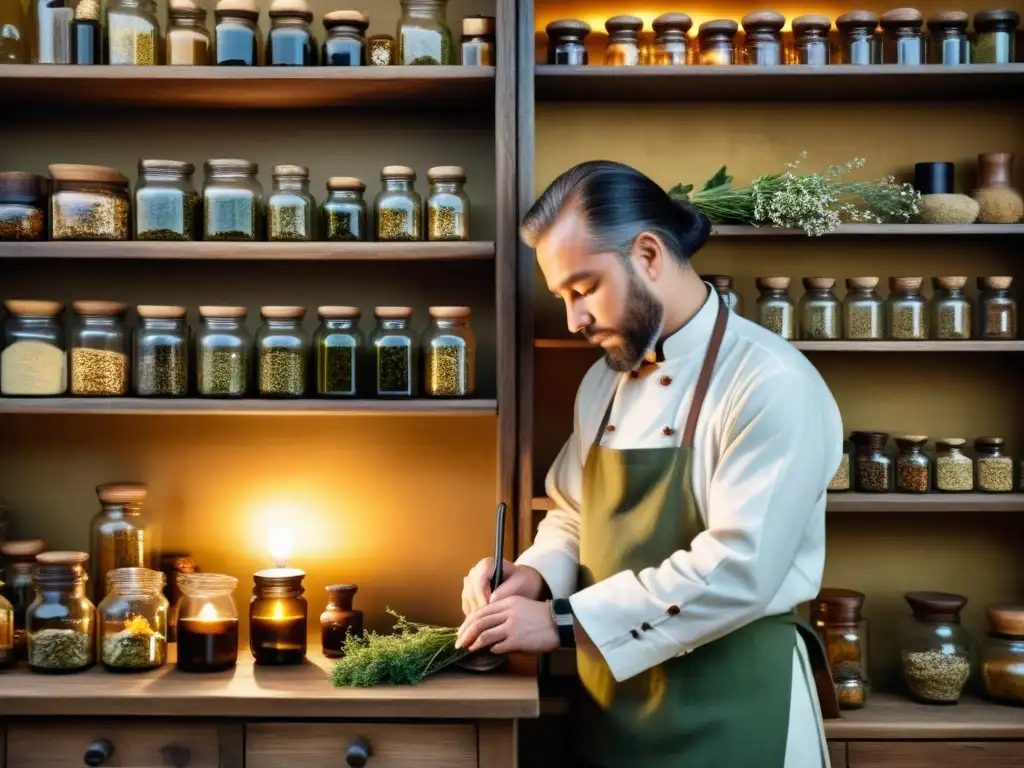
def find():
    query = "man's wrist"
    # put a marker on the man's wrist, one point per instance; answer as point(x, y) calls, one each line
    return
point(565, 622)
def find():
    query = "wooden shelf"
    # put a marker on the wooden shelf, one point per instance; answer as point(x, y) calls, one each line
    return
point(729, 231)
point(136, 406)
point(843, 346)
point(888, 82)
point(897, 502)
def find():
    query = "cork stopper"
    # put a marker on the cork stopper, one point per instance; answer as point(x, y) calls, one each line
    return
point(337, 313)
point(819, 283)
point(340, 18)
point(903, 284)
point(87, 10)
point(449, 312)
point(290, 170)
point(811, 21)
point(33, 308)
point(246, 7)
point(22, 547)
point(99, 308)
point(949, 283)
point(1006, 618)
point(679, 22)
point(62, 557)
point(567, 27)
point(397, 172)
point(856, 19)
point(624, 23)
point(214, 311)
point(282, 313)
point(764, 20)
point(995, 283)
point(950, 442)
point(439, 172)
point(941, 607)
point(392, 313)
point(351, 183)
point(864, 283)
point(718, 27)
point(837, 606)
point(777, 283)
point(478, 26)
point(122, 493)
point(89, 173)
point(160, 312)
point(910, 441)
point(290, 8)
point(901, 17)
point(949, 20)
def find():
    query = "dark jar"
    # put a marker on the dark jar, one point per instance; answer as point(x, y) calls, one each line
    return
point(344, 210)
point(716, 41)
point(996, 32)
point(173, 565)
point(291, 42)
point(874, 465)
point(949, 43)
point(237, 37)
point(935, 648)
point(207, 622)
point(345, 44)
point(166, 203)
point(20, 557)
point(223, 352)
point(1002, 655)
point(623, 49)
point(339, 620)
point(810, 40)
point(913, 467)
point(282, 348)
point(395, 353)
point(291, 209)
point(121, 535)
point(566, 42)
point(671, 43)
point(161, 352)
point(340, 347)
point(902, 40)
point(762, 46)
point(837, 616)
point(842, 480)
point(858, 43)
point(477, 41)
point(277, 617)
point(61, 622)
point(993, 469)
point(22, 206)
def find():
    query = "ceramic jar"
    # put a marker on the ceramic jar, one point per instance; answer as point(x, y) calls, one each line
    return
point(339, 619)
point(999, 202)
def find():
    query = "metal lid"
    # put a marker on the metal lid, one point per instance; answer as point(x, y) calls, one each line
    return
point(177, 166)
point(230, 164)
point(290, 170)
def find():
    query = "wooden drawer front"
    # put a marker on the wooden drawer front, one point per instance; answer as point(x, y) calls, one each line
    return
point(837, 754)
point(929, 754)
point(137, 744)
point(323, 745)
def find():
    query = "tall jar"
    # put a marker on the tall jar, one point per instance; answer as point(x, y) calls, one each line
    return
point(166, 202)
point(907, 310)
point(395, 353)
point(423, 34)
point(715, 39)
point(447, 204)
point(566, 42)
point(902, 40)
point(837, 616)
point(951, 309)
point(775, 309)
point(161, 352)
point(858, 43)
point(51, 20)
point(277, 617)
point(477, 44)
point(398, 208)
point(340, 350)
point(189, 42)
point(821, 316)
point(345, 44)
point(810, 40)
point(60, 622)
point(7, 652)
point(133, 33)
point(237, 37)
point(87, 34)
point(290, 42)
point(233, 207)
point(998, 200)
point(671, 44)
point(223, 348)
point(1002, 657)
point(207, 622)
point(344, 210)
point(863, 310)
point(22, 205)
point(291, 209)
point(723, 286)
point(339, 620)
point(949, 43)
point(993, 468)
point(874, 470)
point(996, 32)
point(15, 46)
point(121, 535)
point(954, 470)
point(913, 467)
point(623, 49)
point(133, 621)
point(935, 650)
point(449, 352)
point(842, 480)
point(997, 308)
point(100, 349)
point(34, 360)
point(20, 557)
point(762, 45)
point(282, 348)
point(89, 202)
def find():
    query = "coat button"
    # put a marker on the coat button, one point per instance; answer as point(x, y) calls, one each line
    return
point(611, 427)
point(668, 431)
point(645, 627)
point(665, 381)
point(673, 610)
point(636, 635)
point(634, 374)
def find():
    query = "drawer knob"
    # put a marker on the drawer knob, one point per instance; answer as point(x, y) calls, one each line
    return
point(98, 752)
point(176, 755)
point(359, 753)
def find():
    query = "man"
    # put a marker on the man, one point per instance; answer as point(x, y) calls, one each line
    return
point(690, 501)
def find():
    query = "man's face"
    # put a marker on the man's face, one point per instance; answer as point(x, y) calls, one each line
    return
point(605, 296)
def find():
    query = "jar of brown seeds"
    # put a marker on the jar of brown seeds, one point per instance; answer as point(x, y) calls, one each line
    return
point(874, 465)
point(951, 309)
point(993, 469)
point(913, 467)
point(997, 309)
point(291, 208)
point(954, 470)
point(99, 349)
point(842, 480)
point(907, 310)
point(448, 204)
point(398, 208)
point(22, 206)
point(775, 309)
point(89, 202)
point(863, 310)
point(449, 353)
point(820, 315)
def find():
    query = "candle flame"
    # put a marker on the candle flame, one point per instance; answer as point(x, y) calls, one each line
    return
point(280, 545)
point(208, 613)
point(278, 610)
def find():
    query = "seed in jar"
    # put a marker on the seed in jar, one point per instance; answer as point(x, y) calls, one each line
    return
point(908, 323)
point(954, 323)
point(873, 476)
point(33, 368)
point(222, 372)
point(398, 224)
point(282, 371)
point(98, 372)
point(393, 369)
point(339, 225)
point(24, 224)
point(288, 221)
point(92, 216)
point(912, 477)
point(999, 322)
point(995, 474)
point(449, 370)
point(934, 675)
point(954, 474)
point(841, 479)
point(821, 323)
point(773, 319)
point(381, 51)
point(1004, 679)
point(132, 43)
point(337, 373)
point(162, 370)
point(445, 222)
point(865, 323)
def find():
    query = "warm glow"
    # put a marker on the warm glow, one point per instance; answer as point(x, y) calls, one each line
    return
point(208, 613)
point(280, 545)
point(278, 611)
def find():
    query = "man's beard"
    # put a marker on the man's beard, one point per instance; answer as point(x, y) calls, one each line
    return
point(641, 328)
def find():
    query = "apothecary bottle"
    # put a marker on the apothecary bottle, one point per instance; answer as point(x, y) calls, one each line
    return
point(858, 43)
point(121, 534)
point(723, 285)
point(277, 617)
point(842, 480)
point(477, 44)
point(100, 349)
point(161, 352)
point(567, 42)
point(22, 205)
point(19, 588)
point(189, 42)
point(997, 308)
point(16, 44)
point(907, 310)
point(715, 39)
point(762, 45)
point(344, 210)
point(671, 41)
point(86, 34)
point(1002, 655)
point(381, 50)
point(903, 41)
point(133, 33)
point(290, 42)
point(7, 652)
point(810, 40)
point(952, 312)
point(395, 352)
point(291, 209)
point(874, 465)
point(166, 203)
point(954, 470)
point(223, 347)
point(34, 359)
point(345, 44)
point(863, 310)
point(623, 49)
point(60, 627)
point(233, 206)
point(449, 353)
point(282, 349)
point(339, 620)
point(935, 647)
point(447, 204)
point(238, 41)
point(51, 21)
point(89, 202)
point(996, 33)
point(398, 208)
point(207, 622)
point(837, 616)
point(821, 315)
point(133, 621)
point(913, 467)
point(993, 468)
point(340, 351)
point(775, 310)
point(423, 34)
point(948, 41)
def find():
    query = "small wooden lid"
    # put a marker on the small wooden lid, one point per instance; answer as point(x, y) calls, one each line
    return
point(237, 6)
point(335, 18)
point(62, 557)
point(213, 311)
point(908, 441)
point(624, 23)
point(290, 170)
point(275, 312)
point(179, 166)
point(857, 19)
point(818, 283)
point(954, 283)
point(573, 27)
point(720, 282)
point(775, 283)
point(94, 173)
point(949, 442)
point(295, 7)
point(676, 21)
point(22, 547)
point(841, 606)
point(1001, 283)
point(986, 20)
point(33, 308)
point(982, 443)
point(122, 493)
point(861, 282)
point(1006, 618)
point(901, 17)
point(87, 10)
point(475, 26)
point(718, 27)
point(336, 183)
point(812, 21)
point(449, 312)
point(949, 20)
point(100, 308)
point(905, 283)
point(764, 20)
point(392, 313)
point(439, 172)
point(332, 312)
point(936, 606)
point(864, 437)
point(397, 172)
point(157, 311)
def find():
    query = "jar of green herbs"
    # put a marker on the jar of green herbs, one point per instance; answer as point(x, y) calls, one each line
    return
point(291, 208)
point(423, 34)
point(995, 31)
point(344, 210)
point(166, 202)
point(398, 207)
point(133, 621)
point(449, 351)
point(223, 346)
point(775, 309)
point(395, 353)
point(161, 352)
point(447, 204)
point(282, 352)
point(233, 206)
point(60, 621)
point(339, 346)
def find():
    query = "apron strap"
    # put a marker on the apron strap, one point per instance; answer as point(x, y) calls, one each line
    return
point(704, 380)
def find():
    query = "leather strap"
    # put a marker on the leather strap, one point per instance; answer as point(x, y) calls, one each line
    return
point(704, 380)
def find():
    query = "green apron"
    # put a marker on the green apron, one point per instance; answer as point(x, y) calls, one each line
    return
point(727, 703)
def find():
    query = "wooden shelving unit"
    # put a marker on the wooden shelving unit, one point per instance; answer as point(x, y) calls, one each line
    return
point(897, 503)
point(136, 406)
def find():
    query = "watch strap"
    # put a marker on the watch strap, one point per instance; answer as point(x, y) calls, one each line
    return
point(565, 620)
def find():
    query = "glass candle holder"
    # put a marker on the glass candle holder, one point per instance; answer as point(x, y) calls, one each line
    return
point(277, 617)
point(207, 622)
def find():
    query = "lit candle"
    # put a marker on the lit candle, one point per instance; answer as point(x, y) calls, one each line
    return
point(207, 638)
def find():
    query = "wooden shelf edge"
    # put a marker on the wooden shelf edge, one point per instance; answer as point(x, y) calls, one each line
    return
point(897, 502)
point(132, 406)
point(844, 346)
point(110, 73)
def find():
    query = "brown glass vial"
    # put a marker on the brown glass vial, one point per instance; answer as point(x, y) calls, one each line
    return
point(339, 619)
point(277, 617)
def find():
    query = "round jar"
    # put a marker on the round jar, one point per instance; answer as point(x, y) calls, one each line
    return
point(99, 349)
point(344, 210)
point(810, 40)
point(874, 470)
point(133, 33)
point(423, 34)
point(7, 653)
point(59, 623)
point(935, 649)
point(395, 353)
point(161, 352)
point(954, 470)
point(277, 617)
point(121, 535)
point(907, 310)
point(715, 39)
point(449, 351)
point(996, 33)
point(902, 39)
point(282, 347)
point(233, 206)
point(623, 49)
point(949, 43)
point(762, 46)
point(477, 42)
point(447, 204)
point(1002, 656)
point(837, 616)
point(20, 557)
point(997, 309)
point(166, 202)
point(913, 467)
point(291, 208)
point(775, 309)
point(207, 622)
point(863, 310)
point(239, 41)
point(339, 620)
point(842, 480)
point(993, 468)
point(858, 43)
point(89, 202)
point(290, 42)
point(398, 208)
point(22, 206)
point(189, 42)
point(951, 309)
point(133, 621)
point(223, 349)
point(340, 348)
point(723, 286)
point(566, 42)
point(381, 50)
point(34, 359)
point(820, 313)
point(671, 43)
point(345, 44)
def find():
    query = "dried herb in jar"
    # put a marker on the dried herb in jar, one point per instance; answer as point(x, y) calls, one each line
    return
point(338, 369)
point(169, 215)
point(398, 224)
point(394, 369)
point(282, 371)
point(338, 225)
point(841, 479)
point(222, 372)
point(98, 372)
point(60, 649)
point(162, 371)
point(288, 220)
point(954, 472)
point(21, 222)
point(448, 370)
point(137, 646)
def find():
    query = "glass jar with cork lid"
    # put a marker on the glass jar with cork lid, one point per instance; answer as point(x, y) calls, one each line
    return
point(671, 41)
point(913, 467)
point(395, 352)
point(447, 204)
point(233, 206)
point(954, 470)
point(20, 557)
point(449, 351)
point(874, 465)
point(935, 647)
point(715, 38)
point(908, 318)
point(34, 359)
point(810, 40)
point(821, 315)
point(133, 33)
point(189, 42)
point(282, 348)
point(423, 34)
point(903, 40)
point(22, 206)
point(1002, 655)
point(100, 349)
point(398, 208)
point(238, 41)
point(133, 621)
point(121, 534)
point(863, 310)
point(344, 210)
point(223, 347)
point(948, 41)
point(161, 351)
point(837, 617)
point(340, 350)
point(166, 203)
point(207, 622)
point(996, 32)
point(478, 41)
point(290, 42)
point(951, 309)
point(762, 31)
point(723, 285)
point(60, 622)
point(567, 42)
point(291, 209)
point(623, 48)
point(993, 468)
point(842, 480)
point(858, 43)
point(997, 308)
point(345, 44)
point(89, 202)
point(775, 309)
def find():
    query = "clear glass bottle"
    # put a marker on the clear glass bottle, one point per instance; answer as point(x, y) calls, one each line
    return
point(86, 34)
point(993, 468)
point(842, 480)
point(567, 42)
point(133, 621)
point(449, 352)
point(951, 309)
point(16, 43)
point(907, 310)
point(34, 359)
point(189, 42)
point(89, 202)
point(762, 32)
point(166, 203)
point(340, 351)
point(133, 33)
point(477, 42)
point(671, 43)
point(874, 465)
point(623, 49)
point(821, 316)
point(290, 42)
point(954, 470)
point(291, 209)
point(60, 622)
point(398, 208)
point(22, 204)
point(423, 34)
point(339, 620)
point(207, 622)
point(223, 349)
point(903, 40)
point(344, 210)
point(837, 616)
point(277, 617)
point(121, 534)
point(948, 42)
point(858, 42)
point(810, 40)
point(716, 42)
point(447, 204)
point(1002, 656)
point(19, 588)
point(345, 44)
point(723, 285)
point(775, 309)
point(395, 352)
point(238, 41)
point(996, 33)
point(997, 308)
point(913, 467)
point(863, 310)
point(161, 352)
point(100, 349)
point(7, 653)
point(233, 206)
point(282, 347)
point(51, 20)
point(935, 648)
point(381, 51)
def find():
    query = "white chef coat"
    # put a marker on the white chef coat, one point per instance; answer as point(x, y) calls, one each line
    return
point(768, 441)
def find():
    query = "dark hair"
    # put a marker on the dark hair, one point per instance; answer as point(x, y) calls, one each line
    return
point(618, 203)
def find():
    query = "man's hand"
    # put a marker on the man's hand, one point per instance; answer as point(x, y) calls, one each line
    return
point(510, 624)
point(519, 580)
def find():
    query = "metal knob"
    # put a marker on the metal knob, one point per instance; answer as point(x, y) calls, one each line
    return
point(358, 755)
point(176, 755)
point(98, 752)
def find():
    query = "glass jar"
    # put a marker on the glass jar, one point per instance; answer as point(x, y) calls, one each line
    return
point(51, 20)
point(996, 33)
point(340, 348)
point(907, 310)
point(671, 44)
point(207, 622)
point(954, 470)
point(133, 621)
point(449, 350)
point(1002, 657)
point(863, 310)
point(913, 467)
point(87, 34)
point(949, 43)
point(345, 44)
point(993, 468)
point(447, 204)
point(381, 50)
point(166, 202)
point(290, 42)
point(59, 623)
point(99, 349)
point(22, 205)
point(19, 588)
point(291, 209)
point(821, 316)
point(723, 286)
point(237, 36)
point(762, 32)
point(715, 41)
point(34, 360)
point(810, 40)
point(161, 352)
point(567, 42)
point(283, 350)
point(623, 49)
point(15, 43)
point(858, 43)
point(935, 650)
point(398, 208)
point(951, 309)
point(121, 535)
point(423, 34)
point(133, 33)
point(775, 309)
point(277, 617)
point(874, 466)
point(7, 654)
point(344, 210)
point(339, 620)
point(478, 41)
point(188, 40)
point(842, 480)
point(395, 353)
point(997, 309)
point(837, 616)
point(89, 202)
point(902, 38)
point(223, 349)
point(233, 207)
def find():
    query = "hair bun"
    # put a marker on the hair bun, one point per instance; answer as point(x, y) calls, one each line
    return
point(695, 224)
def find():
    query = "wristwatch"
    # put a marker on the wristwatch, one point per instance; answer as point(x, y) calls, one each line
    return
point(561, 612)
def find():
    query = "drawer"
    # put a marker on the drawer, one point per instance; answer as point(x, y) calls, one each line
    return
point(837, 754)
point(928, 754)
point(393, 745)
